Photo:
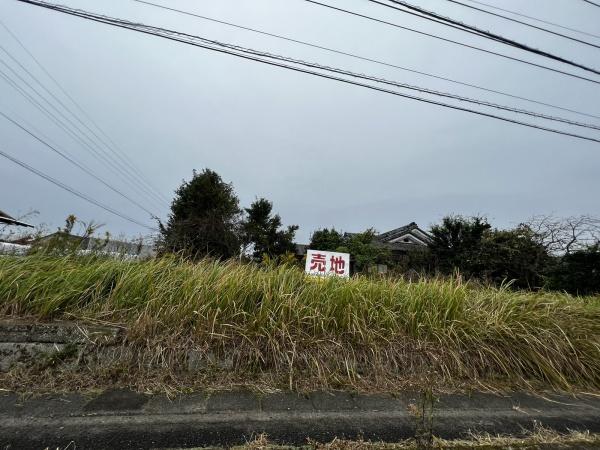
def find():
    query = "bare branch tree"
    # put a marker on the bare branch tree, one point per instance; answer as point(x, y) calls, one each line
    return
point(565, 235)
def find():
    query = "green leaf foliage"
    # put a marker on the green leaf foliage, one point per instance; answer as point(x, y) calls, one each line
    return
point(204, 220)
point(264, 231)
point(577, 272)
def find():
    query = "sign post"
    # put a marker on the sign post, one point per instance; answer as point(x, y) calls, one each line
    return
point(327, 264)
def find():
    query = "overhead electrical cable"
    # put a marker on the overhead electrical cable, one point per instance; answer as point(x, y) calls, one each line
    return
point(46, 112)
point(554, 24)
point(449, 22)
point(74, 191)
point(82, 167)
point(22, 120)
point(173, 36)
point(383, 63)
point(102, 158)
point(462, 44)
point(378, 79)
point(110, 145)
point(524, 23)
point(592, 3)
point(81, 133)
point(99, 150)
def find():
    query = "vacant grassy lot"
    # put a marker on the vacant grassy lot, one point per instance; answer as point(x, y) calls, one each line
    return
point(359, 332)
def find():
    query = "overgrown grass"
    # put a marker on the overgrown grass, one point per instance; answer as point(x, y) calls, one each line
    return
point(537, 439)
point(336, 331)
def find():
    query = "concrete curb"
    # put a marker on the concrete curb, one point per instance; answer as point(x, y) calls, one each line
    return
point(124, 419)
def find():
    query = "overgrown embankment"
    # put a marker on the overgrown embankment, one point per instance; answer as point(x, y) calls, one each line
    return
point(250, 322)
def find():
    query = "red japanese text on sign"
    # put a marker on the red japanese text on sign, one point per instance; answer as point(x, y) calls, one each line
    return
point(327, 264)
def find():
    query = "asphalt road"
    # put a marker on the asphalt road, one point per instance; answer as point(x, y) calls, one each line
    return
point(122, 419)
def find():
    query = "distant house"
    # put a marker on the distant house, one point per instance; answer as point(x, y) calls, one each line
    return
point(9, 220)
point(103, 246)
point(400, 241)
point(404, 239)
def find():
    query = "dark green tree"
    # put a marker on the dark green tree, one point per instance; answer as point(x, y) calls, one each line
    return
point(577, 272)
point(326, 240)
point(364, 250)
point(204, 220)
point(471, 246)
point(514, 255)
point(265, 233)
point(457, 244)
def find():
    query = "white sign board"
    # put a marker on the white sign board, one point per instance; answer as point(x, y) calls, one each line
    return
point(327, 264)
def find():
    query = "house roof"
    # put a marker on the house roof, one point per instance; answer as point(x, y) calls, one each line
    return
point(412, 229)
point(406, 238)
point(102, 245)
point(8, 219)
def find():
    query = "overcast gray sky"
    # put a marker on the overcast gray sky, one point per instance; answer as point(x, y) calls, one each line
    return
point(325, 153)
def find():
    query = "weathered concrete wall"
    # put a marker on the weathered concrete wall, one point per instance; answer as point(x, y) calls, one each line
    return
point(126, 419)
point(29, 343)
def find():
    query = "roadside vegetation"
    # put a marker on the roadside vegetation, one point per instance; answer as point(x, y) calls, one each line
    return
point(275, 320)
point(538, 439)
point(225, 301)
point(206, 220)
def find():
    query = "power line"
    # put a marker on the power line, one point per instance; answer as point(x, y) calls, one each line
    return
point(382, 80)
point(129, 178)
point(524, 23)
point(379, 80)
point(78, 165)
point(58, 122)
point(46, 112)
point(100, 156)
point(533, 18)
point(462, 44)
point(73, 191)
point(592, 3)
point(171, 35)
point(361, 57)
point(111, 146)
point(452, 23)
point(119, 153)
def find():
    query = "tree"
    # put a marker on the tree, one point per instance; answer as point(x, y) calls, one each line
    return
point(204, 220)
point(563, 236)
point(473, 247)
point(364, 250)
point(264, 232)
point(326, 240)
point(577, 272)
point(514, 255)
point(457, 244)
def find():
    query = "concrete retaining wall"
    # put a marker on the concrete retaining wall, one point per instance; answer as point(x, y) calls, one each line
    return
point(29, 344)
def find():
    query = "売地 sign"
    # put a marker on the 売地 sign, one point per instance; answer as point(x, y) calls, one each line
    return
point(327, 264)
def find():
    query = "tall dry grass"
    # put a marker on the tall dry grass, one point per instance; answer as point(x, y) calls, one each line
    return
point(279, 320)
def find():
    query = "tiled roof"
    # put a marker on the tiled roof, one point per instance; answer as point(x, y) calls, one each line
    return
point(420, 234)
point(389, 235)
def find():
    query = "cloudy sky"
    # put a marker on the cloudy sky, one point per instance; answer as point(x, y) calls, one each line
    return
point(326, 154)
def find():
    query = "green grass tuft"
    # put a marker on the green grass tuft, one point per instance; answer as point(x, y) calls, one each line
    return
point(282, 321)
